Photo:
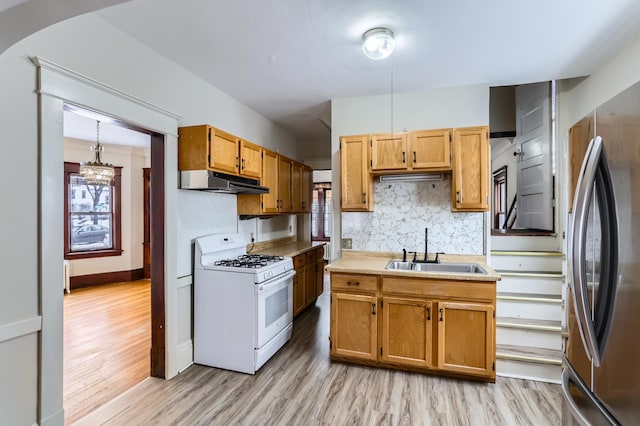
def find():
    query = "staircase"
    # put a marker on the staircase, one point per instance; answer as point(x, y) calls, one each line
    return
point(529, 314)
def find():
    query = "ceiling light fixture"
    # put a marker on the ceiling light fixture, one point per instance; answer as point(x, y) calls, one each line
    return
point(378, 43)
point(96, 172)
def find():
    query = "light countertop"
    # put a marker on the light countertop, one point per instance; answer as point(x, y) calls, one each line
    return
point(375, 262)
point(291, 249)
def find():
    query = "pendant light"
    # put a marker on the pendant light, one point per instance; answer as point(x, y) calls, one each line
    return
point(96, 172)
point(378, 43)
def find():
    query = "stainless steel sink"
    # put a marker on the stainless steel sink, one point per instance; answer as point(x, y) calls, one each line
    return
point(464, 268)
point(398, 264)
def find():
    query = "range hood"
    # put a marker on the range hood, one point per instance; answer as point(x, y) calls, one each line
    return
point(207, 180)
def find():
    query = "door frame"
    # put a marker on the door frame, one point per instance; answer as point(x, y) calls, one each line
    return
point(55, 87)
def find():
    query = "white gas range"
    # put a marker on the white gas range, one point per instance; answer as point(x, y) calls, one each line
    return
point(243, 304)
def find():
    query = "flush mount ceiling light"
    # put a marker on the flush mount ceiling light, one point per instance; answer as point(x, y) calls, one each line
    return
point(96, 172)
point(378, 43)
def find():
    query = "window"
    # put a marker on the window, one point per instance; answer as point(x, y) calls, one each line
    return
point(321, 212)
point(500, 198)
point(92, 219)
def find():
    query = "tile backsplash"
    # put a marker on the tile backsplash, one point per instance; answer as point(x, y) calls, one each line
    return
point(402, 210)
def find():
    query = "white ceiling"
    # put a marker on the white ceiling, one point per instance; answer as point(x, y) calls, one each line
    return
point(288, 58)
point(80, 127)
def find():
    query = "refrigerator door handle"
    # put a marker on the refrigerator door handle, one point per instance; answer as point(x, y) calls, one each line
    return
point(582, 200)
point(571, 403)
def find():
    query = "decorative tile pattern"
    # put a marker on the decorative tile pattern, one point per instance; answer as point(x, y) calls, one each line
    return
point(402, 210)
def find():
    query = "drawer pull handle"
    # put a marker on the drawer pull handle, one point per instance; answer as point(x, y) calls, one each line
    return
point(373, 309)
point(414, 157)
point(458, 197)
point(403, 157)
point(441, 314)
point(364, 198)
point(428, 313)
point(355, 283)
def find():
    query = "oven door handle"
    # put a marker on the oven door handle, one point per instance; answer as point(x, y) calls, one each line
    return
point(275, 281)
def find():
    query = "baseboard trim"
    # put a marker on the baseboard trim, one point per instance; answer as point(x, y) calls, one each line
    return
point(82, 281)
point(55, 419)
point(185, 355)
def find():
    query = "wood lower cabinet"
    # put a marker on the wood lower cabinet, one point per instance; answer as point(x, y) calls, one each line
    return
point(406, 337)
point(308, 281)
point(466, 338)
point(438, 326)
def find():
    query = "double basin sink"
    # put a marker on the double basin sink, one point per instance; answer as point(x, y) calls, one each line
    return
point(448, 267)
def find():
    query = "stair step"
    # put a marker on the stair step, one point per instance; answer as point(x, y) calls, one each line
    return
point(530, 297)
point(528, 354)
point(526, 253)
point(529, 274)
point(549, 373)
point(529, 283)
point(529, 324)
point(523, 261)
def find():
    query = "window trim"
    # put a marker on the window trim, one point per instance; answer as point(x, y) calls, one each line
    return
point(500, 180)
point(321, 188)
point(74, 168)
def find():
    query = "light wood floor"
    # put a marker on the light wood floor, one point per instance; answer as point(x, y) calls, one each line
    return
point(301, 386)
point(107, 343)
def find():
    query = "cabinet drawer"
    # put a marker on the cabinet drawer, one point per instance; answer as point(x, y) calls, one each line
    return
point(467, 290)
point(299, 261)
point(353, 282)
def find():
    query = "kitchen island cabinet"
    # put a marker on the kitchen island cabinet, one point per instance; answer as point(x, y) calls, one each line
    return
point(427, 322)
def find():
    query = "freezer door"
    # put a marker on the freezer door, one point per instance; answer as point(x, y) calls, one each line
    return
point(580, 406)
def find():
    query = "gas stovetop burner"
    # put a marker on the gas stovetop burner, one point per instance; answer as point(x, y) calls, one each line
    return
point(249, 261)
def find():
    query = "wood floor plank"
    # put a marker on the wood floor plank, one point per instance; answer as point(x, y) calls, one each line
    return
point(300, 385)
point(107, 343)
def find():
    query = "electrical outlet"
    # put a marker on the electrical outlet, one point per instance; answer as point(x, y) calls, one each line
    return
point(346, 243)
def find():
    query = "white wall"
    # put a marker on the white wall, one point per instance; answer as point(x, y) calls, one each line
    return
point(92, 47)
point(132, 160)
point(450, 107)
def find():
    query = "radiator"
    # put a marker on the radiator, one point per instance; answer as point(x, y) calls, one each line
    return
point(327, 252)
point(66, 276)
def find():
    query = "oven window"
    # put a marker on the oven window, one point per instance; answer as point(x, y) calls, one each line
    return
point(276, 306)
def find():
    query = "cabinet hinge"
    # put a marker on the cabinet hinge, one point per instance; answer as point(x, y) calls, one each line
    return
point(381, 303)
point(450, 137)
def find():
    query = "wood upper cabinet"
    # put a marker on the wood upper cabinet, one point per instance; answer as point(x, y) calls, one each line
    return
point(430, 150)
point(356, 182)
point(223, 149)
point(300, 188)
point(580, 134)
point(466, 338)
point(284, 184)
point(389, 152)
point(470, 180)
point(354, 325)
point(250, 159)
point(406, 337)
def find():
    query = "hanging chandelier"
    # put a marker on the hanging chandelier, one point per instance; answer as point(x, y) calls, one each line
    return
point(96, 172)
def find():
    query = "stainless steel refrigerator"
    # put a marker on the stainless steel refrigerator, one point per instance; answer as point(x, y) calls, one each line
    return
point(601, 375)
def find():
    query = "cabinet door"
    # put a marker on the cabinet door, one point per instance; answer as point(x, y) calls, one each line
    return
point(389, 152)
point(284, 184)
point(470, 188)
point(224, 152)
point(270, 180)
point(466, 341)
point(298, 291)
point(309, 283)
point(319, 275)
point(354, 330)
point(355, 180)
point(430, 150)
point(250, 159)
point(580, 134)
point(296, 187)
point(306, 189)
point(407, 331)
